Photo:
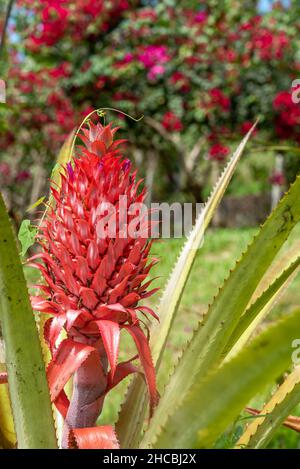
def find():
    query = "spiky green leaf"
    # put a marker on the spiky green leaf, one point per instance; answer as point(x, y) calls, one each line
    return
point(133, 410)
point(210, 338)
point(28, 385)
point(212, 404)
point(262, 429)
point(259, 309)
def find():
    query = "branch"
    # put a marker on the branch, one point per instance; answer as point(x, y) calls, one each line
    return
point(194, 154)
point(174, 138)
point(6, 21)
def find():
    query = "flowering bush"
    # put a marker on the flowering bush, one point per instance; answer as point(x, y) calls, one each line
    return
point(197, 69)
point(91, 285)
point(218, 152)
point(287, 119)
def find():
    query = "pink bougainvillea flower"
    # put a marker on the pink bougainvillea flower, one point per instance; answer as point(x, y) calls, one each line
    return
point(155, 72)
point(246, 126)
point(93, 284)
point(154, 55)
point(218, 98)
point(218, 152)
point(61, 71)
point(277, 178)
point(126, 60)
point(180, 81)
point(200, 17)
point(22, 176)
point(171, 122)
point(282, 100)
point(5, 169)
point(288, 114)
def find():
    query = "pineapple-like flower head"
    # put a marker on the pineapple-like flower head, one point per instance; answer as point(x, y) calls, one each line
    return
point(96, 276)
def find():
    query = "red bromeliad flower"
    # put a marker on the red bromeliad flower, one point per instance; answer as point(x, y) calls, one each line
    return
point(93, 284)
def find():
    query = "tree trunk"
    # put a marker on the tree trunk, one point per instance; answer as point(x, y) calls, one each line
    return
point(152, 160)
point(276, 191)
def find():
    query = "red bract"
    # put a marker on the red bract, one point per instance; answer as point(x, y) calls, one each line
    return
point(93, 282)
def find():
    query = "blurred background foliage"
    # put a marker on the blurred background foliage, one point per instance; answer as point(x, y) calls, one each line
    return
point(199, 71)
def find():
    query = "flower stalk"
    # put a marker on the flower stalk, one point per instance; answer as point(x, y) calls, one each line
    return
point(89, 390)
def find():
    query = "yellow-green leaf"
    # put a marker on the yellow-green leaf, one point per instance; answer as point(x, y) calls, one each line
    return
point(284, 400)
point(8, 437)
point(27, 381)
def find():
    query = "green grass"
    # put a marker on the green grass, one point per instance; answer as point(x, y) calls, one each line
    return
point(221, 249)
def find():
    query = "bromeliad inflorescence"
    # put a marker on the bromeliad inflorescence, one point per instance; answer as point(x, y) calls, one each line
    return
point(93, 284)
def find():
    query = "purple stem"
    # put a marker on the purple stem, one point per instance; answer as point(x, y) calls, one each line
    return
point(89, 385)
